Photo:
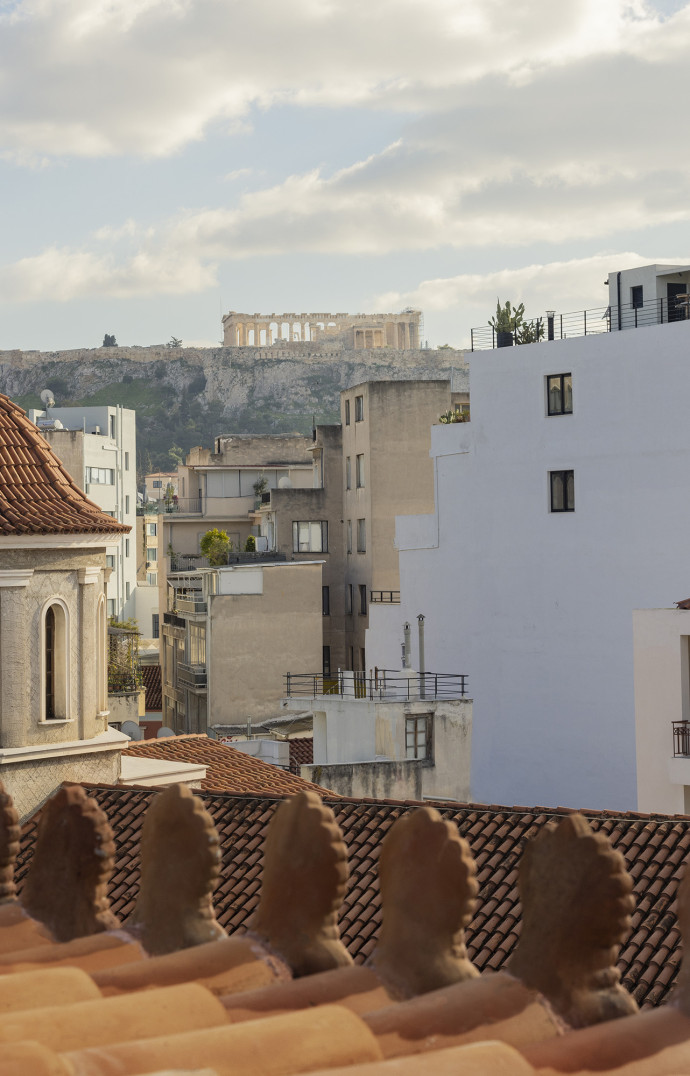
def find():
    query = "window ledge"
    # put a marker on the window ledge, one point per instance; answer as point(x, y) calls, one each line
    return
point(57, 721)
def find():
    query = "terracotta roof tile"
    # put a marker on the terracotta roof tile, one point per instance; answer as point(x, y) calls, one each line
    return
point(151, 675)
point(301, 752)
point(228, 770)
point(37, 496)
point(648, 961)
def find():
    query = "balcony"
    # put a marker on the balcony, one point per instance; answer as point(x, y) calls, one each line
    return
point(174, 621)
point(192, 562)
point(603, 319)
point(190, 606)
point(681, 739)
point(191, 675)
point(385, 684)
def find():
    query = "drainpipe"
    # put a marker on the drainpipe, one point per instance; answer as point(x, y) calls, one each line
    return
point(618, 298)
point(422, 685)
point(407, 646)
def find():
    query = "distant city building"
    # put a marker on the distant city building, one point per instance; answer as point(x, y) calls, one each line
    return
point(98, 447)
point(347, 331)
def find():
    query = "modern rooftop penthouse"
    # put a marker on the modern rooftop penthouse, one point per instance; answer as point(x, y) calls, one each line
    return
point(647, 295)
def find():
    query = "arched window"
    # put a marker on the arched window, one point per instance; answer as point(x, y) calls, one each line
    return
point(55, 662)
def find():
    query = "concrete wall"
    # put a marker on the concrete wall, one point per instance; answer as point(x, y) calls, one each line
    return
point(32, 782)
point(255, 638)
point(537, 606)
point(360, 748)
point(661, 639)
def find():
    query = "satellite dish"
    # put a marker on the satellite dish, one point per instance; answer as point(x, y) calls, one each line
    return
point(47, 398)
point(165, 731)
point(131, 729)
point(284, 482)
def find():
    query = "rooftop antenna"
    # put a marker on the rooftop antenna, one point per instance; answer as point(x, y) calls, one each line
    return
point(47, 399)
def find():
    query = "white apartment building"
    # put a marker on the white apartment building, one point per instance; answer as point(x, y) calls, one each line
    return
point(98, 446)
point(560, 509)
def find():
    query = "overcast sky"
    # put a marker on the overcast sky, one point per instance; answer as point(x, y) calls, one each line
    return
point(165, 161)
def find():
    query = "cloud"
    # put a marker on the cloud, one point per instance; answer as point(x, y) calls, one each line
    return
point(147, 77)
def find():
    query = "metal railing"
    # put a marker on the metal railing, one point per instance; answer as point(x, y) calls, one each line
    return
point(174, 621)
point(387, 597)
point(192, 675)
point(681, 739)
point(192, 562)
point(602, 319)
point(383, 685)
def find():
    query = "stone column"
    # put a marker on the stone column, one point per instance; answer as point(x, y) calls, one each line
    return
point(16, 650)
point(87, 723)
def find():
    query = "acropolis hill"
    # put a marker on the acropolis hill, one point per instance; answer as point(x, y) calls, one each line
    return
point(186, 396)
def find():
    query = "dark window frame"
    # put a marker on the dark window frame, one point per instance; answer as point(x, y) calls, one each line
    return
point(349, 599)
point(325, 601)
point(362, 599)
point(322, 523)
point(347, 412)
point(637, 296)
point(359, 409)
point(326, 661)
point(362, 535)
point(564, 476)
point(561, 379)
point(416, 724)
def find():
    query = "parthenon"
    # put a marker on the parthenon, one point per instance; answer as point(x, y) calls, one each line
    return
point(347, 331)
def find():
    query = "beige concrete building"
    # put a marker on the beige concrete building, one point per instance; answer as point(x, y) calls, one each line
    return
point(347, 331)
point(230, 636)
point(53, 625)
point(375, 466)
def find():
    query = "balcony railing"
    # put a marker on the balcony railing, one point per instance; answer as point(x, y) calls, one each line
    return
point(174, 621)
point(602, 319)
point(192, 675)
point(383, 685)
point(192, 562)
point(681, 739)
point(190, 605)
point(387, 597)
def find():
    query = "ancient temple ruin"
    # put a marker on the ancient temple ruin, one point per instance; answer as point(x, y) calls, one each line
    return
point(347, 331)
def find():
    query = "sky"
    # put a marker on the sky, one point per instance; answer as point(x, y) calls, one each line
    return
point(165, 161)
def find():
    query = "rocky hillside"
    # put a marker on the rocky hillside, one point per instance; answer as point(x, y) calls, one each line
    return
point(188, 396)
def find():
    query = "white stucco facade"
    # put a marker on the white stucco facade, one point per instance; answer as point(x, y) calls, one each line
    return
point(536, 606)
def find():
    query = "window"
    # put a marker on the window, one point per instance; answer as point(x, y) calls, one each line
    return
point(310, 537)
point(157, 484)
point(362, 659)
point(361, 535)
point(126, 461)
point(127, 503)
point(126, 547)
point(325, 601)
point(102, 476)
point(151, 552)
point(127, 591)
point(348, 473)
point(112, 427)
point(349, 535)
point(155, 626)
point(111, 608)
point(152, 529)
point(562, 491)
point(109, 560)
point(349, 598)
point(359, 408)
point(636, 297)
point(360, 472)
point(326, 664)
point(559, 394)
point(362, 599)
point(55, 663)
point(418, 736)
point(350, 657)
point(196, 644)
point(152, 579)
point(347, 412)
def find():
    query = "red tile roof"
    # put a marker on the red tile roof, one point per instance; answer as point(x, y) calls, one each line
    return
point(654, 848)
point(301, 752)
point(151, 675)
point(228, 770)
point(37, 496)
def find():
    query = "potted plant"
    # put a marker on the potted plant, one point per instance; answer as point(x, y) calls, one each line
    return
point(506, 322)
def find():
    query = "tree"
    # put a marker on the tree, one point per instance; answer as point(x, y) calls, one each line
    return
point(109, 341)
point(215, 545)
point(174, 342)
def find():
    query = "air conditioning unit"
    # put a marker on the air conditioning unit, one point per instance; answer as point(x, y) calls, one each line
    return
point(96, 429)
